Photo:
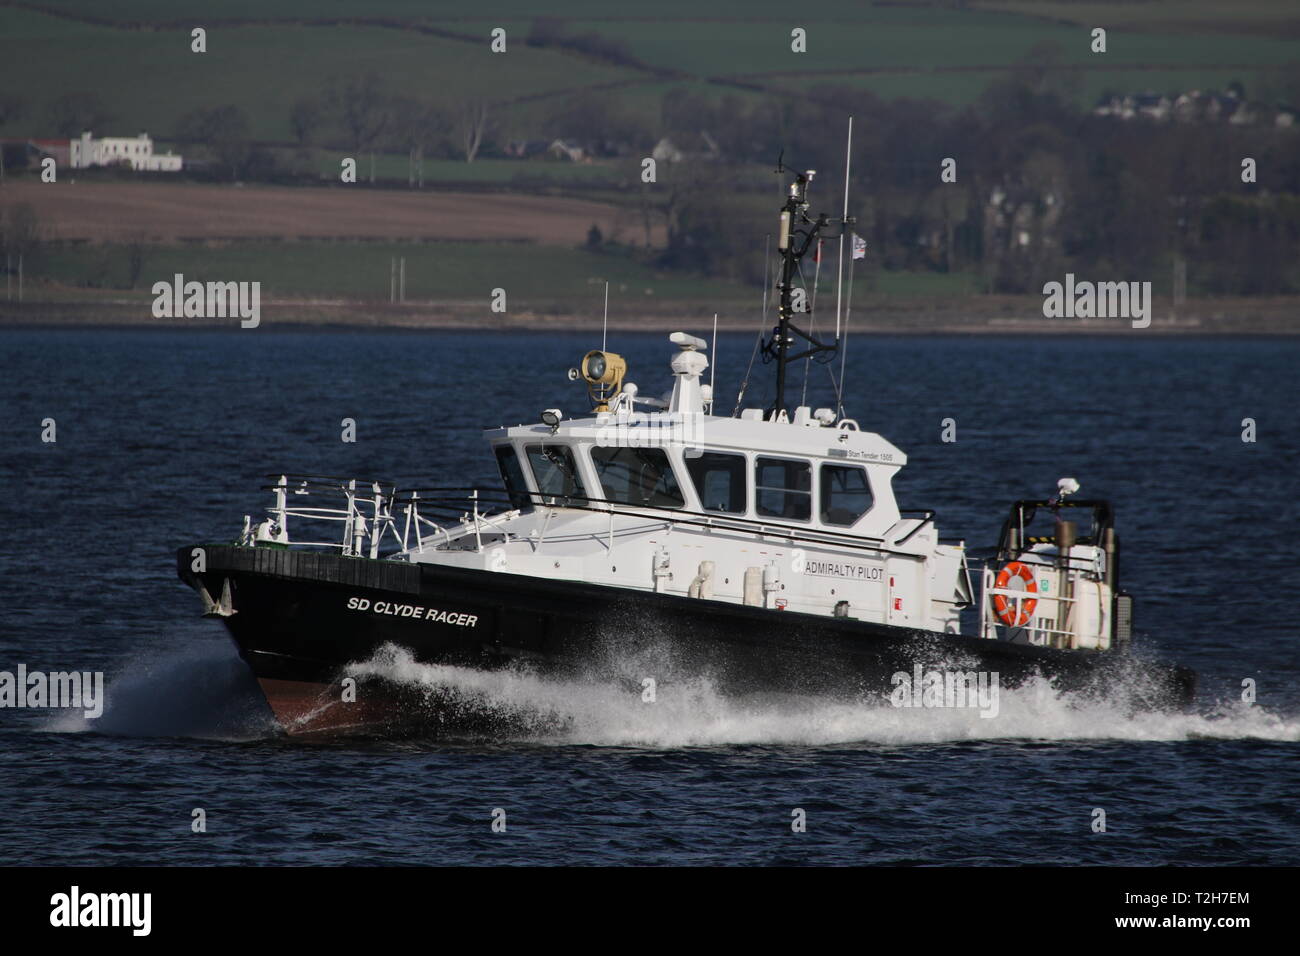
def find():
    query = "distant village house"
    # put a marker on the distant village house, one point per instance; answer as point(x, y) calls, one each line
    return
point(1194, 106)
point(136, 151)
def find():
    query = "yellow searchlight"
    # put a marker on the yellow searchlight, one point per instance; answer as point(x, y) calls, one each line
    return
point(603, 372)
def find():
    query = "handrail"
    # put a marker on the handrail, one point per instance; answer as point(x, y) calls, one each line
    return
point(550, 501)
point(711, 520)
point(439, 500)
point(367, 514)
point(927, 517)
point(990, 623)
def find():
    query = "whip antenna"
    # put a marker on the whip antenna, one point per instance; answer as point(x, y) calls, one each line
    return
point(713, 368)
point(839, 281)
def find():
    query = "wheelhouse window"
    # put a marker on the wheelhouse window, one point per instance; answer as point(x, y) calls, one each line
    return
point(719, 481)
point(845, 494)
point(512, 477)
point(554, 471)
point(637, 476)
point(783, 488)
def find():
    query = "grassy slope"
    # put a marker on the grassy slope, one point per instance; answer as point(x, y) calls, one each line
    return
point(918, 39)
point(1079, 11)
point(534, 276)
point(1253, 15)
point(264, 68)
point(530, 273)
point(150, 78)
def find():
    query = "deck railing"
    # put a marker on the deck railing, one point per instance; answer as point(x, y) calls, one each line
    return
point(1064, 636)
point(375, 519)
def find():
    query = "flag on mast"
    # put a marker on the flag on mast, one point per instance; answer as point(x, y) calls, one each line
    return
point(859, 247)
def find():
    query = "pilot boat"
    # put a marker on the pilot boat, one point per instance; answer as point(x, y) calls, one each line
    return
point(651, 541)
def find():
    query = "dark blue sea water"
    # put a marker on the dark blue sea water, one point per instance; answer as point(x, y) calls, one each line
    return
point(162, 438)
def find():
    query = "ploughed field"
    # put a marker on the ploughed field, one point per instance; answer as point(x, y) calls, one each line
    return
point(165, 212)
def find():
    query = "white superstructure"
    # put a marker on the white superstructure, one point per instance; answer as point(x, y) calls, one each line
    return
point(795, 514)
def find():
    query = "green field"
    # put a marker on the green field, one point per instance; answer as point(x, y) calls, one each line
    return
point(1254, 15)
point(491, 11)
point(149, 78)
point(1078, 11)
point(534, 276)
point(917, 39)
point(530, 273)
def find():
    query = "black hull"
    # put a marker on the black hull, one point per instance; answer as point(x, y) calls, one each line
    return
point(301, 618)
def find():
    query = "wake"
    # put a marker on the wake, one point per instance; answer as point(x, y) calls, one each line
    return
point(208, 693)
point(692, 713)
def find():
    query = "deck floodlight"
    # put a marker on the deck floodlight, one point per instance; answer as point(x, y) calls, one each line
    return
point(603, 373)
point(553, 417)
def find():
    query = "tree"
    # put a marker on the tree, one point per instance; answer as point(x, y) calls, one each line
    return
point(20, 235)
point(19, 228)
point(417, 127)
point(11, 108)
point(224, 130)
point(305, 118)
point(135, 249)
point(363, 109)
point(1037, 70)
point(72, 113)
point(710, 230)
point(471, 126)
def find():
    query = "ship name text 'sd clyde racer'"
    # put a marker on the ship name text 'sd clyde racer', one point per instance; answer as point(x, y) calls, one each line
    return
point(655, 538)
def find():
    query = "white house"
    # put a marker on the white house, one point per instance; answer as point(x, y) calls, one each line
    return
point(135, 150)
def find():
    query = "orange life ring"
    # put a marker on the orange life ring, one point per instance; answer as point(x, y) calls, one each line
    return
point(1006, 607)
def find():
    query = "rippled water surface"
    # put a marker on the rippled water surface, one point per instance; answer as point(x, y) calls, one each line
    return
point(163, 438)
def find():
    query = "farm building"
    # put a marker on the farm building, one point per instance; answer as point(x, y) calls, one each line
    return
point(137, 151)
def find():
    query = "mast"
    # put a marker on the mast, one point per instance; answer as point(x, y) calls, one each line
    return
point(798, 234)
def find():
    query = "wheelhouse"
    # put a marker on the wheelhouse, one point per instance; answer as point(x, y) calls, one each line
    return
point(567, 468)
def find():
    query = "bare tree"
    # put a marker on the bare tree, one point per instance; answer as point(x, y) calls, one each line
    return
point(135, 249)
point(19, 228)
point(20, 236)
point(472, 124)
point(224, 130)
point(11, 108)
point(647, 206)
point(363, 110)
point(417, 127)
point(305, 118)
